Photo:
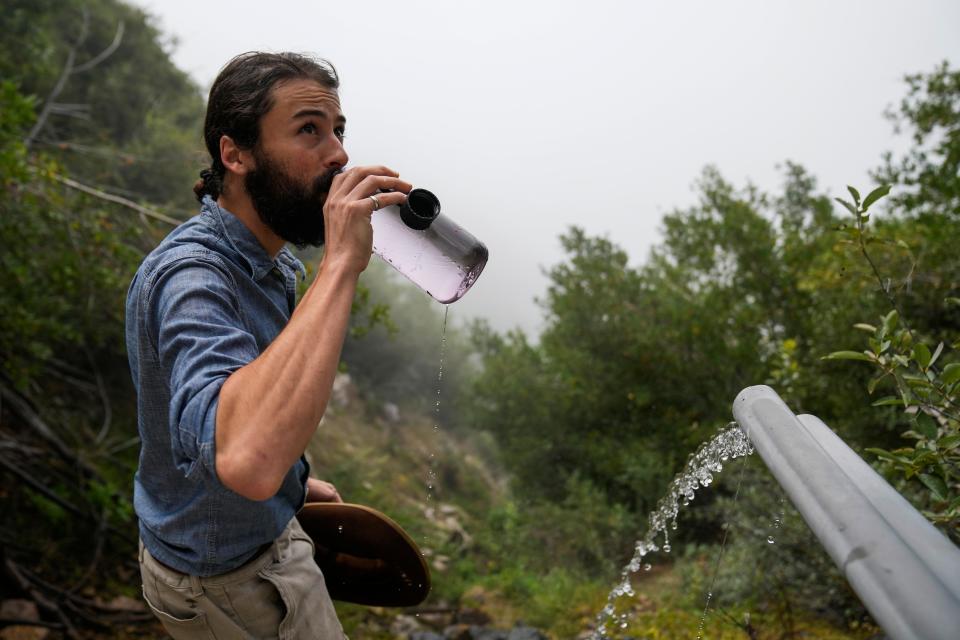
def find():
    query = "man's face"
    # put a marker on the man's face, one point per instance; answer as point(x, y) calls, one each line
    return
point(299, 152)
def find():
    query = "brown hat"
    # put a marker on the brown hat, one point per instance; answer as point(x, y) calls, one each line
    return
point(366, 557)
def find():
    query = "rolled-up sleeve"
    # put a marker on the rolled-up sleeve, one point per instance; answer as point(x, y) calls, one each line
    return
point(201, 339)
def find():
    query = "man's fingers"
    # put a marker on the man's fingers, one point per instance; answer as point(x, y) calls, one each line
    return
point(349, 179)
point(387, 199)
point(322, 491)
point(372, 184)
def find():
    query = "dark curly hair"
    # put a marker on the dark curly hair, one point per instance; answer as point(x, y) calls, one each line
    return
point(242, 94)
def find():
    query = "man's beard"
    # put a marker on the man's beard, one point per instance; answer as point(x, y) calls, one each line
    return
point(292, 210)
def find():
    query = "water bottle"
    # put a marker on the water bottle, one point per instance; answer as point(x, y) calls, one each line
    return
point(430, 249)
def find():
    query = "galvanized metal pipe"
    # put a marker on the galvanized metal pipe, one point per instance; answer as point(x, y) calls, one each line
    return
point(905, 572)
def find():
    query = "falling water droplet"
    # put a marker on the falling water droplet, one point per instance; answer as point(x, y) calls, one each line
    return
point(666, 548)
point(647, 567)
point(432, 473)
point(770, 539)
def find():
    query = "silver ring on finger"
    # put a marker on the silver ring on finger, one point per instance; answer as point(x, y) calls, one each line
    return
point(376, 203)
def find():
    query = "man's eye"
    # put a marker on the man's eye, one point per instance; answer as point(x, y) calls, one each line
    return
point(340, 133)
point(308, 128)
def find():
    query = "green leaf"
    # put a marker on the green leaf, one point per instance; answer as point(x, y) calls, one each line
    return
point(947, 443)
point(875, 195)
point(883, 454)
point(852, 209)
point(952, 301)
point(862, 326)
point(915, 381)
point(936, 354)
point(872, 385)
point(923, 459)
point(890, 321)
point(854, 193)
point(888, 401)
point(922, 355)
point(936, 485)
point(926, 426)
point(951, 373)
point(849, 355)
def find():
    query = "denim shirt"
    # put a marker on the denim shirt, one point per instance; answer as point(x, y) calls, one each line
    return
point(207, 301)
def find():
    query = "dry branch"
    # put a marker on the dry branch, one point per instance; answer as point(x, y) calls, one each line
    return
point(21, 406)
point(15, 572)
point(109, 197)
point(51, 106)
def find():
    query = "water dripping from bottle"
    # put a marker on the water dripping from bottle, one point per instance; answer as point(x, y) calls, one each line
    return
point(432, 459)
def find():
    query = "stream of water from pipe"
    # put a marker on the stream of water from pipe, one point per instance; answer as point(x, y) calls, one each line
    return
point(729, 444)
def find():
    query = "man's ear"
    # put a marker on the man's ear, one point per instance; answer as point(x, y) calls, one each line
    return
point(235, 159)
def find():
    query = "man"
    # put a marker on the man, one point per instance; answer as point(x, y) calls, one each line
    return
point(231, 380)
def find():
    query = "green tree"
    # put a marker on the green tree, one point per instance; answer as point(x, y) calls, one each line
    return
point(87, 88)
point(929, 173)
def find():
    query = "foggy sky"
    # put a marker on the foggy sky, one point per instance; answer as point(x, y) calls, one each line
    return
point(528, 117)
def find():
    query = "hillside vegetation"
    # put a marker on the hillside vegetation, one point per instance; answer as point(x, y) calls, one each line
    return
point(547, 452)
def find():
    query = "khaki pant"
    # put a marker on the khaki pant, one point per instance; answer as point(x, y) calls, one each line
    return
point(280, 594)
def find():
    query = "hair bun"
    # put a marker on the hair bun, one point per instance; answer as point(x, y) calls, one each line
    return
point(208, 184)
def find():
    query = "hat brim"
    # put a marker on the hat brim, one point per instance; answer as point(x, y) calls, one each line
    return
point(366, 557)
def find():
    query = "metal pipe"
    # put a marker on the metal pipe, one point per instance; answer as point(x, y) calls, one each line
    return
point(906, 573)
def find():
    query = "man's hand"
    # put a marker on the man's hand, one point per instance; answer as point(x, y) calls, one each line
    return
point(321, 491)
point(347, 210)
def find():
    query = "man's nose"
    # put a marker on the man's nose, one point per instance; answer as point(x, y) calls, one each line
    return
point(338, 157)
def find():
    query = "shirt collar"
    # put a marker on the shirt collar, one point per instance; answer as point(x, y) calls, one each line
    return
point(246, 245)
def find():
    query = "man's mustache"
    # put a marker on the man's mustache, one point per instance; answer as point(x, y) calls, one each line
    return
point(323, 183)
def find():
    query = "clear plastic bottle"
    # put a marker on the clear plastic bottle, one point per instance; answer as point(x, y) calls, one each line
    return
point(430, 249)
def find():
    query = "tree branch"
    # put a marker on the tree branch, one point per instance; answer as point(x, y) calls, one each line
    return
point(48, 493)
point(106, 53)
point(50, 103)
point(22, 408)
point(109, 197)
point(16, 573)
